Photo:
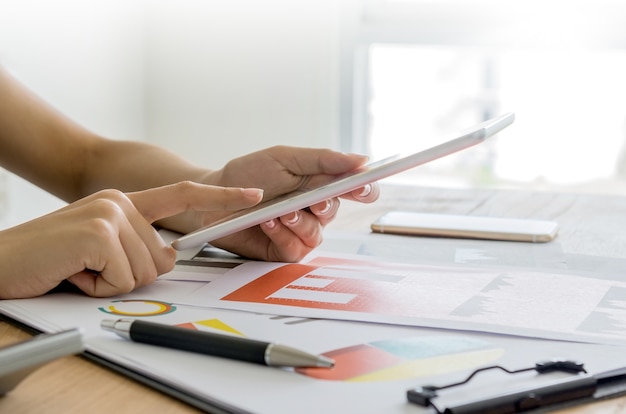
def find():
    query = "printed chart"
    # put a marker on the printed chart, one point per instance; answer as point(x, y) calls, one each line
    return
point(498, 300)
point(404, 358)
point(389, 359)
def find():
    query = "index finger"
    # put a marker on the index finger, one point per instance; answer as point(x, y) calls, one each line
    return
point(161, 202)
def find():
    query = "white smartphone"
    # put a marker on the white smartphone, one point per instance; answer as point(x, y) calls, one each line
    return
point(462, 226)
point(342, 184)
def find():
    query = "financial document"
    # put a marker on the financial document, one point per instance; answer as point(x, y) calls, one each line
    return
point(551, 304)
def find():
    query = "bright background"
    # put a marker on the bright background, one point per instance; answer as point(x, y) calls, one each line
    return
point(212, 80)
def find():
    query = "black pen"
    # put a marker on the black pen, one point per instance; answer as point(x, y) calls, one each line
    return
point(226, 346)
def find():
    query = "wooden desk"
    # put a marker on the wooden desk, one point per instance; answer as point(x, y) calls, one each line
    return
point(592, 225)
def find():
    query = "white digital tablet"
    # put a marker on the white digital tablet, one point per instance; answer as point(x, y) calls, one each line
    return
point(342, 184)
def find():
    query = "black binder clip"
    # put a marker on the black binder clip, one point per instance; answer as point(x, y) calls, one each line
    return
point(519, 401)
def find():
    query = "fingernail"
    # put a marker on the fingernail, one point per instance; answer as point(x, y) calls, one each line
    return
point(367, 189)
point(361, 156)
point(327, 207)
point(294, 219)
point(253, 193)
point(270, 224)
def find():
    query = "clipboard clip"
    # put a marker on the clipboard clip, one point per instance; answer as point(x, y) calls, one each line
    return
point(578, 386)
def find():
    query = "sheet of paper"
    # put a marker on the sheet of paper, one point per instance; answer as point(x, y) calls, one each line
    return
point(554, 305)
point(376, 363)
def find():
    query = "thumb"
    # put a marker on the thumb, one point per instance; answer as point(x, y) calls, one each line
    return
point(161, 202)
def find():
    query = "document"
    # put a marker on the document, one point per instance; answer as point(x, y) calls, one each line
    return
point(503, 300)
point(375, 364)
point(326, 305)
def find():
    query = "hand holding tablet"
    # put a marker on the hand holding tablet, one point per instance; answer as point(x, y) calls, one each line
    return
point(305, 197)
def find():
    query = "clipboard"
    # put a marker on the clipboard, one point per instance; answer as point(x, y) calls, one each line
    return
point(577, 388)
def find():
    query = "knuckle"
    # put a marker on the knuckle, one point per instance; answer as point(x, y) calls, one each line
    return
point(184, 186)
point(147, 275)
point(312, 235)
point(112, 194)
point(101, 228)
point(184, 191)
point(108, 208)
point(292, 256)
point(225, 193)
point(127, 286)
point(166, 262)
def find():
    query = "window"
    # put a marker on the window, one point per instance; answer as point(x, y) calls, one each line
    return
point(420, 69)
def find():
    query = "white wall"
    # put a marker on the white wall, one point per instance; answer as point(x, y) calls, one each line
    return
point(228, 77)
point(210, 80)
point(85, 58)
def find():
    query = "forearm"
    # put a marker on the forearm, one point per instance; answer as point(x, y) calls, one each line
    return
point(37, 143)
point(53, 152)
point(133, 166)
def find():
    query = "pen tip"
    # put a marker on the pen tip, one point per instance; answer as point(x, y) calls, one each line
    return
point(107, 324)
point(280, 355)
point(325, 362)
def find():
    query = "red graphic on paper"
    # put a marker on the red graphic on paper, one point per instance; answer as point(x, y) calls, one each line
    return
point(188, 325)
point(364, 287)
point(352, 362)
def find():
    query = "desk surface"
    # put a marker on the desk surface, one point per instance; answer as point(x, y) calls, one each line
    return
point(591, 225)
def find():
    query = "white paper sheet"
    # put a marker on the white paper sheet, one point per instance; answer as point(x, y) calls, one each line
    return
point(376, 363)
point(505, 300)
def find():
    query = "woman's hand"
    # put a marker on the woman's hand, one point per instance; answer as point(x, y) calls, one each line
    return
point(105, 243)
point(279, 170)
